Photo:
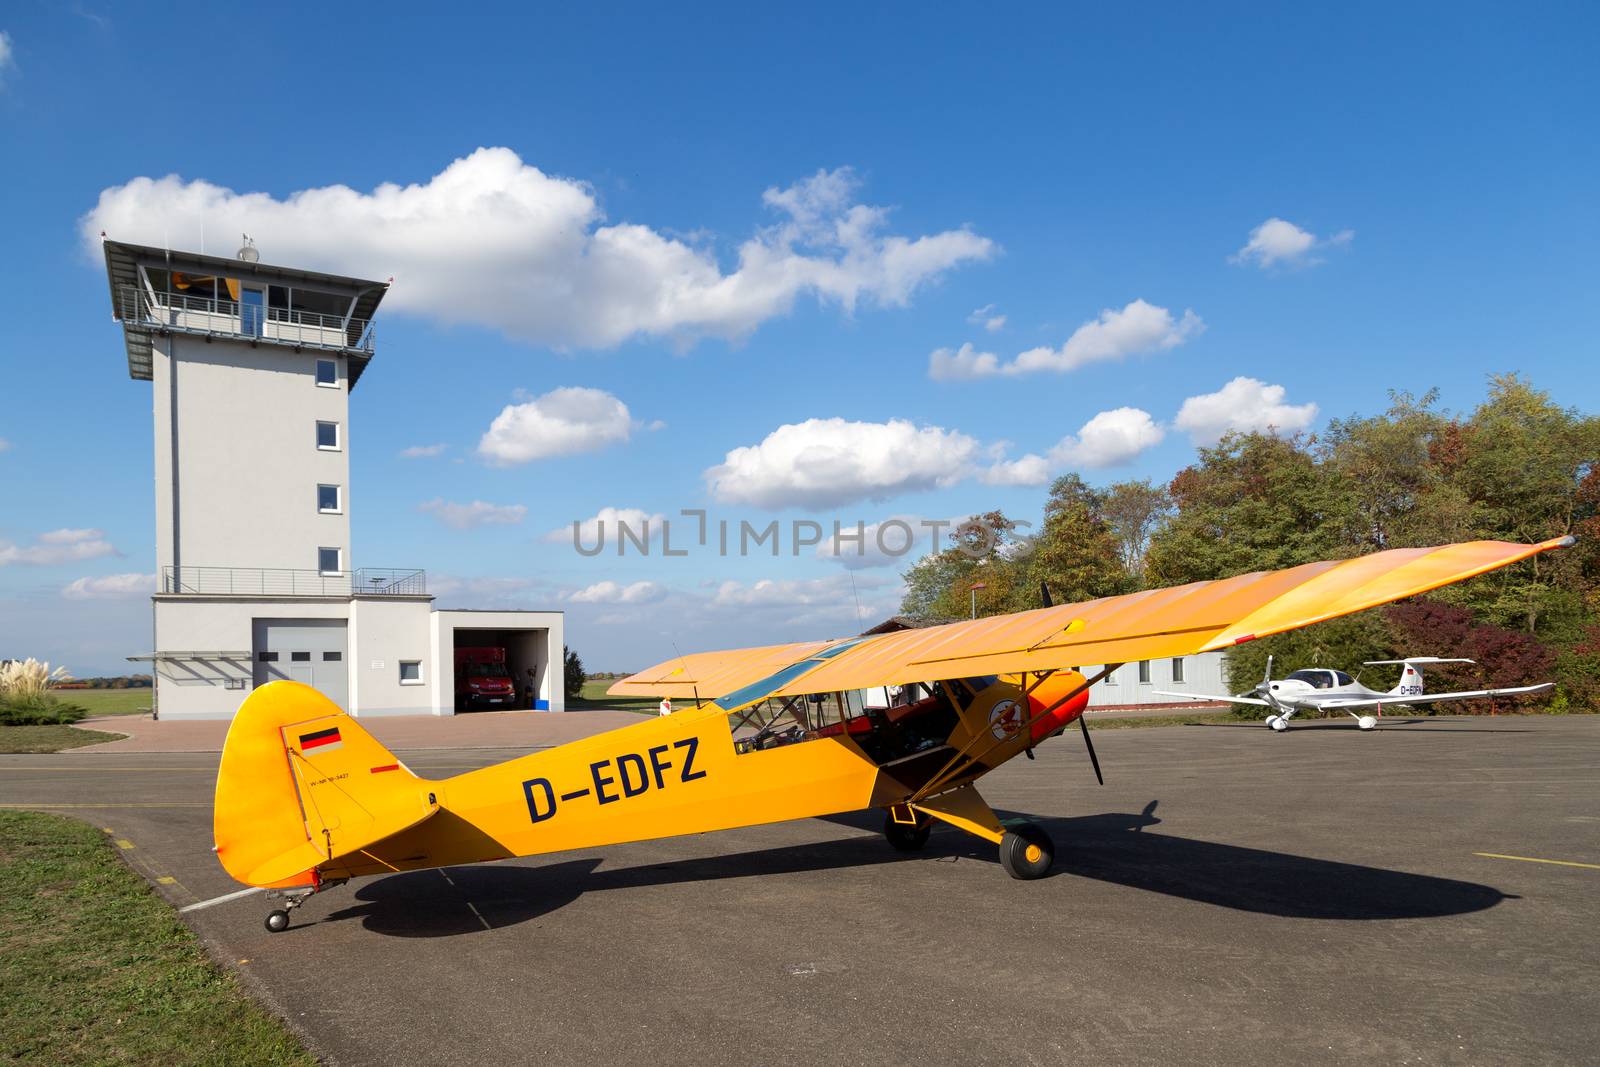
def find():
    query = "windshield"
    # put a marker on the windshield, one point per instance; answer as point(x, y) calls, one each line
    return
point(1316, 679)
point(486, 670)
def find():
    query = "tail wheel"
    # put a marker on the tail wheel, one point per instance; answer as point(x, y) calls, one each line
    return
point(278, 921)
point(1027, 852)
point(906, 838)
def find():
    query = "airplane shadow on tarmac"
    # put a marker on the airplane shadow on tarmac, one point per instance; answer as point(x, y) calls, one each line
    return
point(1113, 847)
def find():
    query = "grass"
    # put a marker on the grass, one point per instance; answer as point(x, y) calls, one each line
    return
point(594, 698)
point(94, 968)
point(108, 701)
point(50, 738)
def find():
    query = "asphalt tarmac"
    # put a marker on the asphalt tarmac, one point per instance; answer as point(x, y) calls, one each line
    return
point(1230, 896)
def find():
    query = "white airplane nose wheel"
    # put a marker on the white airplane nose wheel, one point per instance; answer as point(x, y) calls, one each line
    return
point(1277, 723)
point(1367, 722)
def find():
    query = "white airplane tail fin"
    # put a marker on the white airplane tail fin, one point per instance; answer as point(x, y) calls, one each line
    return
point(1411, 683)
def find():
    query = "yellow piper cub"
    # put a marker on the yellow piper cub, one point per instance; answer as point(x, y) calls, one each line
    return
point(904, 722)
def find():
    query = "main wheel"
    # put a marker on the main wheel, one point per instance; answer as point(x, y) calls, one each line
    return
point(1278, 723)
point(1027, 852)
point(278, 921)
point(905, 838)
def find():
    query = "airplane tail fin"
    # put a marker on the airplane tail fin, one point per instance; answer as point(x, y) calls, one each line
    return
point(1411, 683)
point(302, 783)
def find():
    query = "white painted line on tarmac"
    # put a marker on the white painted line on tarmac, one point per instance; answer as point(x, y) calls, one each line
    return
point(223, 899)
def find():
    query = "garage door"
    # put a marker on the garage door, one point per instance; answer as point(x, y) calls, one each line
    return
point(311, 651)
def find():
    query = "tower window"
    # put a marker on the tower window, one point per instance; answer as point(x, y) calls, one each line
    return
point(328, 373)
point(328, 436)
point(410, 672)
point(328, 499)
point(328, 561)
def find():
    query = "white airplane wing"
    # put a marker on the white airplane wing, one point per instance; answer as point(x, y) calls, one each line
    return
point(1213, 696)
point(1432, 698)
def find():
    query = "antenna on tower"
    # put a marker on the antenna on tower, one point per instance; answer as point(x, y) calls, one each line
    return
point(247, 251)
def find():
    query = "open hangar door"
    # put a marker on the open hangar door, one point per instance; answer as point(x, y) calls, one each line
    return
point(527, 662)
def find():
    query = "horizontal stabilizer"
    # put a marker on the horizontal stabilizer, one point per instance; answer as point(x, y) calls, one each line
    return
point(1212, 696)
point(1413, 659)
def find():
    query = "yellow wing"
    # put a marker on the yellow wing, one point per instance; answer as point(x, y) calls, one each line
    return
point(711, 674)
point(1157, 623)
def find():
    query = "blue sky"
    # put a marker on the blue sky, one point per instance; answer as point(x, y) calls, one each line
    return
point(730, 225)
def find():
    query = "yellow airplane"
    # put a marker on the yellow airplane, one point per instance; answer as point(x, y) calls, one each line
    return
point(307, 799)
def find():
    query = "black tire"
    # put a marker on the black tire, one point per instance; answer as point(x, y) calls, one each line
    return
point(1027, 852)
point(904, 838)
point(278, 921)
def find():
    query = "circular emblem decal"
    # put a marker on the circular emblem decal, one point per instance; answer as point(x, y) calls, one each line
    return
point(1006, 719)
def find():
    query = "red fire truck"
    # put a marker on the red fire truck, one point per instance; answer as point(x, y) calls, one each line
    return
point(482, 679)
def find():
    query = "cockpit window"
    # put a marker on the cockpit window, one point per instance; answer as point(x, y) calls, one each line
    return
point(1341, 678)
point(1316, 679)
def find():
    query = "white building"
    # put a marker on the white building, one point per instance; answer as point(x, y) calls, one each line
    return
point(252, 368)
point(1134, 685)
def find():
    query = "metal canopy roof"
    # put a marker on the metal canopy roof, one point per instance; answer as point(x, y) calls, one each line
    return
point(122, 269)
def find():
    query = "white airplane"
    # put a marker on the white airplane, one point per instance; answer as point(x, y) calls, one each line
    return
point(1323, 690)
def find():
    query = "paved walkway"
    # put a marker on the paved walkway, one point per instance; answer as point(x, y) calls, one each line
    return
point(480, 729)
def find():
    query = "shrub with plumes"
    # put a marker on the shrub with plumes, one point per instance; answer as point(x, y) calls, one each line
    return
point(30, 677)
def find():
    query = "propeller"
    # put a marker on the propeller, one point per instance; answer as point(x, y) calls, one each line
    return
point(1045, 601)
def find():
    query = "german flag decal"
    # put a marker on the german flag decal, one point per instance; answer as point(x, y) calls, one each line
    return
point(321, 741)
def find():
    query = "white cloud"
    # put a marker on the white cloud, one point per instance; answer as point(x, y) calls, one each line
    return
point(559, 423)
point(986, 318)
point(1030, 469)
point(421, 451)
point(7, 59)
point(1278, 241)
point(111, 587)
point(605, 526)
point(952, 365)
point(1109, 439)
point(1138, 328)
point(1243, 404)
point(58, 546)
point(825, 462)
point(4, 444)
point(477, 513)
point(495, 242)
point(611, 593)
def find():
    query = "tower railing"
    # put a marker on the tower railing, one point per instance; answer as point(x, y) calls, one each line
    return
point(281, 581)
point(231, 318)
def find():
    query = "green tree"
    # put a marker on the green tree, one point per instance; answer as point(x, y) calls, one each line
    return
point(1075, 552)
point(1133, 512)
point(572, 674)
point(1252, 502)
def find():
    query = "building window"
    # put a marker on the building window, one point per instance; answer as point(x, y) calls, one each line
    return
point(411, 672)
point(332, 657)
point(328, 561)
point(1111, 679)
point(328, 499)
point(268, 657)
point(1144, 672)
point(300, 657)
point(328, 373)
point(328, 436)
point(1177, 668)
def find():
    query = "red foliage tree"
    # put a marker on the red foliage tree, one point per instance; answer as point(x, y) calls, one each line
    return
point(1503, 659)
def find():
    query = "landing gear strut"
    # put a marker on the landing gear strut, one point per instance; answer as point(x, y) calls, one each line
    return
point(1027, 852)
point(278, 920)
